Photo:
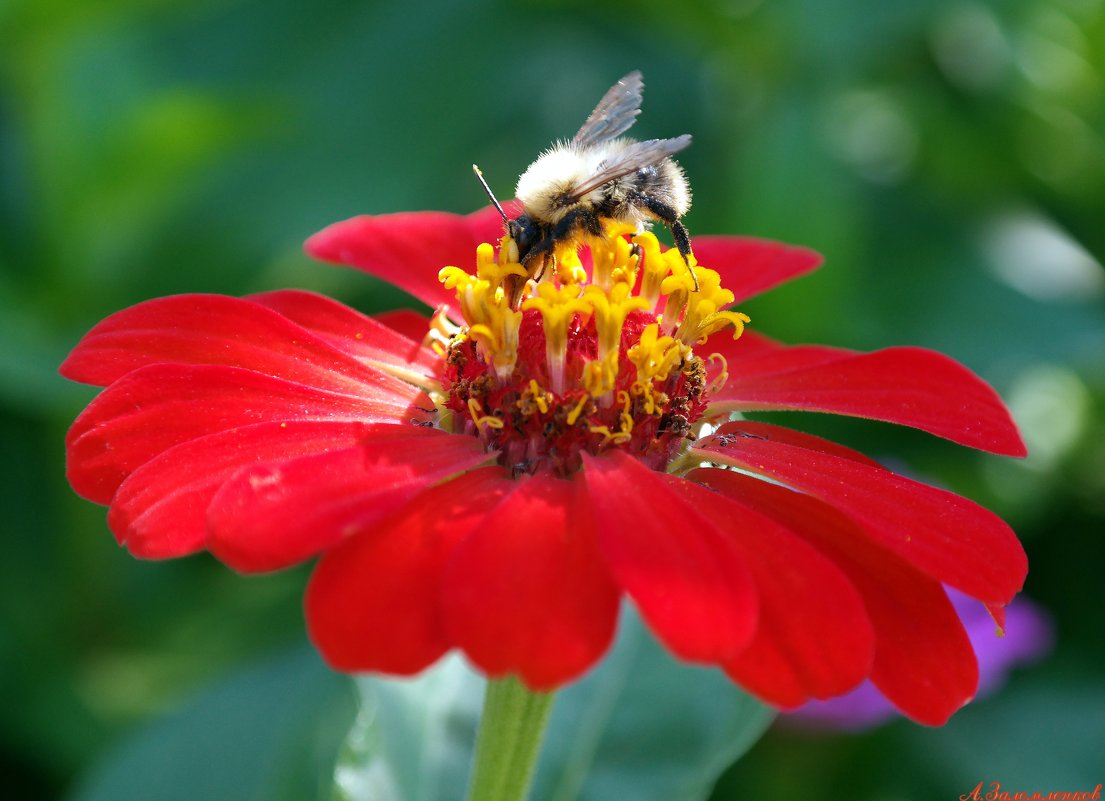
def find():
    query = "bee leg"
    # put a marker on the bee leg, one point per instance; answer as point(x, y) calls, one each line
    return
point(575, 221)
point(534, 262)
point(683, 242)
point(545, 266)
point(584, 219)
point(536, 258)
point(666, 213)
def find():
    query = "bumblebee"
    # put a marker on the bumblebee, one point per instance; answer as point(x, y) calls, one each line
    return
point(574, 187)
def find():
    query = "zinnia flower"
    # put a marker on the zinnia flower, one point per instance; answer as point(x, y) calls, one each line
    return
point(501, 488)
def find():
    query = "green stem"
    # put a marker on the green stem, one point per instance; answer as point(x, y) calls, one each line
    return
point(511, 729)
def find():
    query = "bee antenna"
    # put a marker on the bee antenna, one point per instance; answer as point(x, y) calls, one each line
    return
point(490, 194)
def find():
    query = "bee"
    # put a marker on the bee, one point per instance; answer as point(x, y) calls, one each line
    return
point(574, 187)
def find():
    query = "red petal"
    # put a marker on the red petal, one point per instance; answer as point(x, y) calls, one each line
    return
point(410, 324)
point(532, 599)
point(757, 355)
point(924, 663)
point(349, 331)
point(909, 386)
point(487, 226)
point(751, 266)
point(686, 576)
point(948, 537)
point(409, 249)
point(160, 511)
point(374, 601)
point(215, 329)
point(272, 515)
point(415, 327)
point(814, 639)
point(997, 612)
point(154, 408)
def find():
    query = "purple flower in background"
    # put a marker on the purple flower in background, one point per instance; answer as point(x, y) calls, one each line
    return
point(1028, 637)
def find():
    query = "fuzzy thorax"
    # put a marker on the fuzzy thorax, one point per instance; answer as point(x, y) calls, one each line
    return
point(547, 188)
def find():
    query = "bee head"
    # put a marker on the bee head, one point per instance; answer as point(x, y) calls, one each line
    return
point(525, 233)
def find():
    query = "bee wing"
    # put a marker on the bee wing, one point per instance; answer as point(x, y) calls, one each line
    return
point(614, 114)
point(637, 155)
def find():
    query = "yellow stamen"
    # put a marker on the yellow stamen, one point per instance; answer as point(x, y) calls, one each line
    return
point(656, 269)
point(681, 284)
point(441, 329)
point(610, 257)
point(495, 270)
point(600, 376)
point(539, 396)
point(611, 309)
point(480, 419)
point(645, 391)
point(557, 307)
point(578, 410)
point(654, 356)
point(534, 396)
point(674, 305)
point(723, 376)
point(500, 341)
point(627, 273)
point(718, 320)
point(610, 437)
point(700, 312)
point(569, 269)
point(626, 419)
point(617, 407)
point(492, 323)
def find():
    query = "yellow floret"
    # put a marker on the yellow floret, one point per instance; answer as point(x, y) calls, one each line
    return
point(557, 307)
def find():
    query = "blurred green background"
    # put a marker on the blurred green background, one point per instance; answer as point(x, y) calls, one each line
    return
point(948, 158)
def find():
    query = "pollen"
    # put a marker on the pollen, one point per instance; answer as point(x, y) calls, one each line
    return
point(595, 353)
point(534, 399)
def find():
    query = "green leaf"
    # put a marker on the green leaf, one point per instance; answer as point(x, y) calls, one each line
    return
point(413, 738)
point(1045, 733)
point(641, 726)
point(271, 733)
point(645, 727)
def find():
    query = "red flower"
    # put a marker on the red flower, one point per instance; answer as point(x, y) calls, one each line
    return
point(500, 492)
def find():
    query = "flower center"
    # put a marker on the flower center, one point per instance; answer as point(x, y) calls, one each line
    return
point(582, 363)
